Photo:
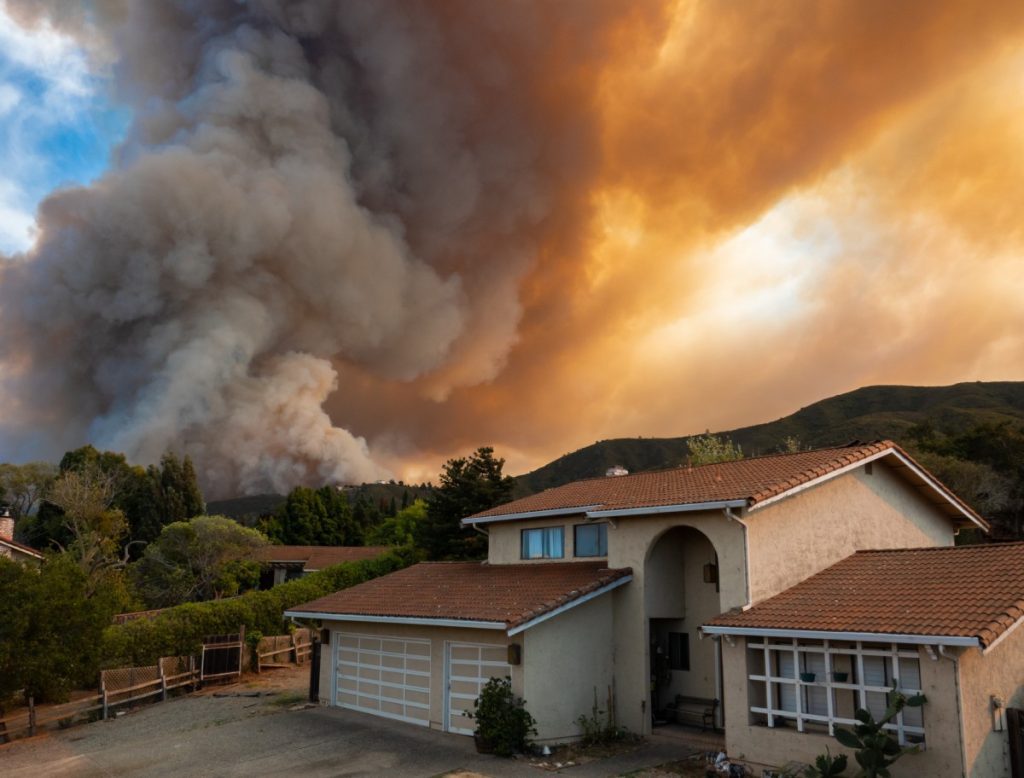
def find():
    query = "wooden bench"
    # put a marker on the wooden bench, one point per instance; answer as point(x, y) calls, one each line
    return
point(696, 710)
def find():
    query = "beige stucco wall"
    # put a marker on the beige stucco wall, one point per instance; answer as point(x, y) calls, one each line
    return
point(998, 673)
point(629, 545)
point(796, 537)
point(762, 746)
point(437, 637)
point(564, 660)
point(504, 546)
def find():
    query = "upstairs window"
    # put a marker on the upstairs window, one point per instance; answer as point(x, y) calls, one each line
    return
point(542, 543)
point(591, 539)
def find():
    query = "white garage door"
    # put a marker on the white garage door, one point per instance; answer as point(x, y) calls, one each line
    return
point(384, 676)
point(469, 668)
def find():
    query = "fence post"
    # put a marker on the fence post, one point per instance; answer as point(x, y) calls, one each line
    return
point(103, 691)
point(241, 649)
point(31, 715)
point(163, 679)
point(295, 646)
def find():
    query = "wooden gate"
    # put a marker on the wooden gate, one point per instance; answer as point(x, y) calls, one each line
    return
point(1015, 727)
point(222, 656)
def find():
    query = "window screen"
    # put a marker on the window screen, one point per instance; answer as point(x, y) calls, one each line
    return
point(591, 539)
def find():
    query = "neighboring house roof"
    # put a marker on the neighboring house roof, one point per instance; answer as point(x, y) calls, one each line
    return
point(748, 483)
point(471, 594)
point(21, 548)
point(313, 558)
point(975, 593)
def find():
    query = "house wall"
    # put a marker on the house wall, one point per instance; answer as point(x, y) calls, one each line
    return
point(796, 537)
point(982, 676)
point(566, 660)
point(437, 637)
point(504, 545)
point(631, 544)
point(766, 747)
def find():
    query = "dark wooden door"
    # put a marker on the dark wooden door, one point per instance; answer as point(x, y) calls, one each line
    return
point(1015, 727)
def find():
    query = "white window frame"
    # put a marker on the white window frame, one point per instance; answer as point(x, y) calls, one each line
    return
point(856, 651)
point(545, 549)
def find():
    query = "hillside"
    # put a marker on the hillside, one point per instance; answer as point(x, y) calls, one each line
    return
point(864, 414)
point(381, 495)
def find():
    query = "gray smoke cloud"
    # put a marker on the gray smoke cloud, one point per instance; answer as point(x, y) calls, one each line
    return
point(306, 188)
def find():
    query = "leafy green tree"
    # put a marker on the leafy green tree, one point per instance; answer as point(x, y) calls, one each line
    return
point(400, 529)
point(468, 485)
point(205, 558)
point(875, 748)
point(708, 448)
point(50, 628)
point(315, 517)
point(149, 498)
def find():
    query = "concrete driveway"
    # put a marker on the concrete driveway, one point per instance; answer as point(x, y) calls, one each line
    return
point(272, 735)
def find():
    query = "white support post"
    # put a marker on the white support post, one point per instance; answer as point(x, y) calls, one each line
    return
point(799, 689)
point(860, 677)
point(768, 684)
point(898, 683)
point(829, 692)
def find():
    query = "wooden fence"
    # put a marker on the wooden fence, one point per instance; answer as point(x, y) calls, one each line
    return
point(296, 648)
point(117, 687)
point(127, 685)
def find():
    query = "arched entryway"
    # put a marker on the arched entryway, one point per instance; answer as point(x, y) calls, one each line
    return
point(681, 592)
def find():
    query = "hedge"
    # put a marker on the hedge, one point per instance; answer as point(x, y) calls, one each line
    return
point(179, 631)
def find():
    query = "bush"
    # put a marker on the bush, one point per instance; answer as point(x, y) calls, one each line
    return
point(179, 631)
point(502, 722)
point(599, 728)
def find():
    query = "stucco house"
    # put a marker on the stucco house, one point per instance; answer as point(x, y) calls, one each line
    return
point(645, 587)
point(9, 547)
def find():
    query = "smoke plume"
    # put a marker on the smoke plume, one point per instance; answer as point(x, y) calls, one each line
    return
point(343, 239)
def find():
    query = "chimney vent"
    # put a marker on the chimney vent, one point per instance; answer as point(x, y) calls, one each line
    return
point(616, 470)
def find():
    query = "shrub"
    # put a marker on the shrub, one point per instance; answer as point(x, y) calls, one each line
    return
point(599, 727)
point(502, 722)
point(179, 631)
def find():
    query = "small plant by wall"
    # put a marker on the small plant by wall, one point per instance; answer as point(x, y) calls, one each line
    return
point(599, 728)
point(875, 748)
point(503, 725)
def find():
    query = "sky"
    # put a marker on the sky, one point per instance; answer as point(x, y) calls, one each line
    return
point(624, 221)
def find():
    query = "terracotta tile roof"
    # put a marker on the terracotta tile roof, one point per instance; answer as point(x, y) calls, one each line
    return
point(319, 557)
point(752, 480)
point(962, 591)
point(470, 591)
point(22, 548)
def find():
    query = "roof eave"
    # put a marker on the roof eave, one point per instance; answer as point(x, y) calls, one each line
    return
point(515, 630)
point(960, 509)
point(414, 620)
point(817, 634)
point(522, 515)
point(651, 510)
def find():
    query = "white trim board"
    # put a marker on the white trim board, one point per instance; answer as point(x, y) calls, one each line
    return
point(688, 507)
point(416, 620)
point(871, 637)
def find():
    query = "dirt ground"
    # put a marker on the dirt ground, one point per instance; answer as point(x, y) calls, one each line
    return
point(263, 726)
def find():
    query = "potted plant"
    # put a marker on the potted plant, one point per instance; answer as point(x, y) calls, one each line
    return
point(807, 677)
point(839, 677)
point(503, 724)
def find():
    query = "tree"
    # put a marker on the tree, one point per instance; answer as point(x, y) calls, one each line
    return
point(205, 558)
point(400, 529)
point(22, 486)
point(50, 628)
point(707, 448)
point(315, 517)
point(86, 498)
point(468, 486)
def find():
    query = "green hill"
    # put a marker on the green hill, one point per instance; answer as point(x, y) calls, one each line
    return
point(869, 413)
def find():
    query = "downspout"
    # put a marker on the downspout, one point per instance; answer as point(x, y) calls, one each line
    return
point(746, 555)
point(959, 704)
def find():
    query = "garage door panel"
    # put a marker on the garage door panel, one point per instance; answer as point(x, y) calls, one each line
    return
point(469, 669)
point(389, 676)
